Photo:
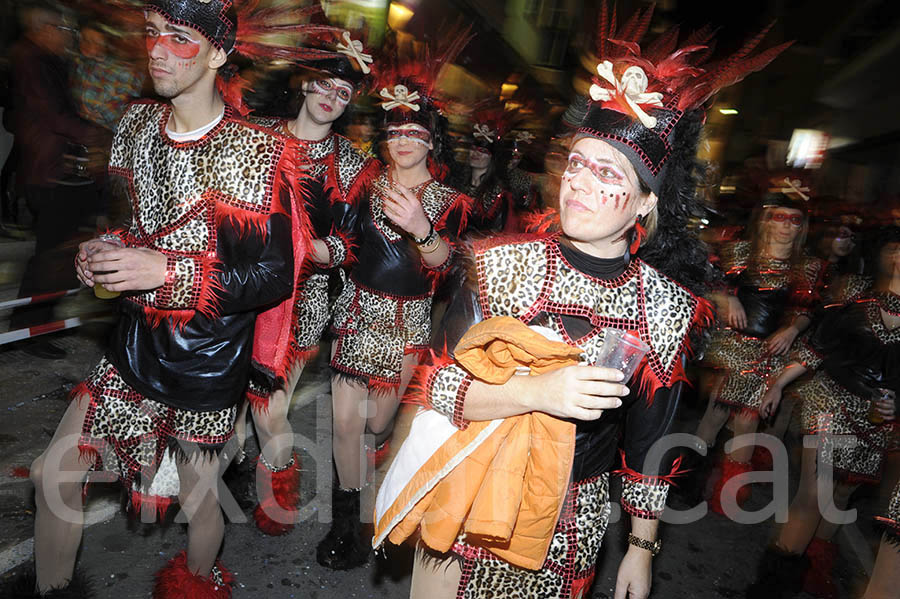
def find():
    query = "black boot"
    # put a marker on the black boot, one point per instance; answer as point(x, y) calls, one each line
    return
point(780, 575)
point(342, 548)
point(689, 490)
point(240, 479)
point(23, 587)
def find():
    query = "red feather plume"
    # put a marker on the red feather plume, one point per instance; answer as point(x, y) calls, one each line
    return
point(681, 73)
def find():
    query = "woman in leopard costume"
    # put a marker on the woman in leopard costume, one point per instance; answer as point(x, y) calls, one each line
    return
point(854, 355)
point(770, 286)
point(406, 230)
point(624, 202)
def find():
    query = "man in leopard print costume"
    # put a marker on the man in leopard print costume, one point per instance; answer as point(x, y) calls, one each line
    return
point(214, 239)
point(341, 177)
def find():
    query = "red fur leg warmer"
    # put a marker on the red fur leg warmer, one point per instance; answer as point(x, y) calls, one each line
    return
point(730, 469)
point(176, 581)
point(279, 494)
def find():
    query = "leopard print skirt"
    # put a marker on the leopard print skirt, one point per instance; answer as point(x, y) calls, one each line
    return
point(136, 438)
point(311, 315)
point(373, 332)
point(852, 445)
point(746, 366)
point(568, 571)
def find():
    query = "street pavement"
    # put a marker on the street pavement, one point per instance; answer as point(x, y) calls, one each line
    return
point(713, 557)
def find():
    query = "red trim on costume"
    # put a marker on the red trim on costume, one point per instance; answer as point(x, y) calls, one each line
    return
point(646, 479)
point(159, 504)
point(417, 392)
point(176, 581)
point(242, 221)
point(280, 497)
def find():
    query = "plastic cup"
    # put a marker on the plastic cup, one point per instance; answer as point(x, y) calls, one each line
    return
point(622, 350)
point(875, 416)
point(101, 292)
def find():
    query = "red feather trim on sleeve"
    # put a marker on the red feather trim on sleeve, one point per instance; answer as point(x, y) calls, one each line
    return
point(417, 390)
point(636, 477)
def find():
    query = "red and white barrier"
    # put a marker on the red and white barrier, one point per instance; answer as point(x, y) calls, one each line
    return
point(36, 299)
point(42, 329)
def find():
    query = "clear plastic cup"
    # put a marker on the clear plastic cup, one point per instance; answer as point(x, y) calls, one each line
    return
point(622, 350)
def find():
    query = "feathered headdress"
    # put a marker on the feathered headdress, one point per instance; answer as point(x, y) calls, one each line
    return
point(246, 28)
point(405, 84)
point(638, 97)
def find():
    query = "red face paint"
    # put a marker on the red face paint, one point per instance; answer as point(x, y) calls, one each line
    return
point(177, 43)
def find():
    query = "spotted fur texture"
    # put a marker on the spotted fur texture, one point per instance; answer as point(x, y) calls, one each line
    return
point(570, 563)
point(374, 331)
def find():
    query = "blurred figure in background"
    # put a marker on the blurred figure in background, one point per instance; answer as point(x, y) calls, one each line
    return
point(771, 284)
point(47, 128)
point(854, 353)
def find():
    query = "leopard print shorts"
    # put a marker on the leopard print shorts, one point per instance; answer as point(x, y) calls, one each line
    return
point(129, 435)
point(374, 331)
point(571, 561)
point(747, 367)
point(852, 445)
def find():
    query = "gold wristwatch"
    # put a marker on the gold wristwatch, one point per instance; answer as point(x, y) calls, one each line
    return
point(653, 547)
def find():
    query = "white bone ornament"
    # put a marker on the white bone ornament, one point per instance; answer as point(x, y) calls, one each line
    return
point(632, 87)
point(484, 132)
point(354, 49)
point(400, 97)
point(793, 186)
point(523, 136)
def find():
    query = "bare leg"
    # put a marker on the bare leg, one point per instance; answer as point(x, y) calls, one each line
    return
point(59, 515)
point(434, 576)
point(383, 408)
point(886, 575)
point(276, 436)
point(714, 418)
point(199, 502)
point(348, 402)
point(743, 425)
point(842, 493)
point(803, 516)
point(240, 425)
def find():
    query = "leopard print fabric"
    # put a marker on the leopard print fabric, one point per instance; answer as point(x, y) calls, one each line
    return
point(747, 367)
point(524, 279)
point(129, 434)
point(571, 561)
point(310, 316)
point(644, 499)
point(446, 390)
point(829, 410)
point(436, 199)
point(374, 331)
point(193, 186)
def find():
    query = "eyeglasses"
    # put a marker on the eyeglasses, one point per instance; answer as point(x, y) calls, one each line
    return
point(327, 86)
point(780, 217)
